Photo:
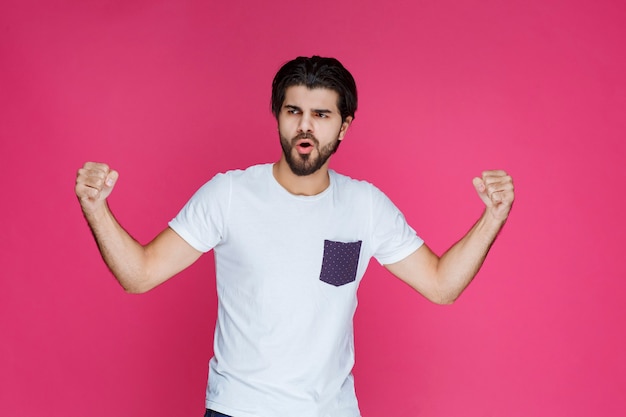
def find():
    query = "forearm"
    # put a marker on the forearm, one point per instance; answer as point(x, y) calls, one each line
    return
point(138, 268)
point(125, 257)
point(460, 264)
point(443, 279)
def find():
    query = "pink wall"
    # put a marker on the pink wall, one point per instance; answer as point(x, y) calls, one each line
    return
point(171, 92)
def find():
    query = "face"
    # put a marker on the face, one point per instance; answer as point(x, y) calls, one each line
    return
point(310, 128)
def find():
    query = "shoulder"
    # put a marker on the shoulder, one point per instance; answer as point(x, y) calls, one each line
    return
point(346, 184)
point(252, 173)
point(234, 176)
point(363, 194)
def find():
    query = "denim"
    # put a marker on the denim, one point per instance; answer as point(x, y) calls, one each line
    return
point(211, 413)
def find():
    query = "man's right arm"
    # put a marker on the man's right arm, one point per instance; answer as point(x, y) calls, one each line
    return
point(138, 268)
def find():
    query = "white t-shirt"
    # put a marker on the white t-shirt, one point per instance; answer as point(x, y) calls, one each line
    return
point(288, 268)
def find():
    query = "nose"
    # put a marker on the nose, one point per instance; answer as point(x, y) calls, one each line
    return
point(305, 124)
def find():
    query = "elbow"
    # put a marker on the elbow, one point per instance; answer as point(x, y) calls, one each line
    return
point(135, 285)
point(138, 287)
point(444, 298)
point(447, 290)
point(438, 295)
point(135, 289)
point(445, 301)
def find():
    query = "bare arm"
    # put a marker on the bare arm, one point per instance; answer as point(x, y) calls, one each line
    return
point(443, 279)
point(138, 268)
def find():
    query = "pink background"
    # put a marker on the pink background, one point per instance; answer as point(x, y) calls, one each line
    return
point(172, 92)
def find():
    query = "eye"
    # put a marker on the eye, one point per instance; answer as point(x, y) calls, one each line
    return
point(321, 115)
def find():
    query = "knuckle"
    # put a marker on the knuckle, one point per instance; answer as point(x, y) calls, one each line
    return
point(96, 167)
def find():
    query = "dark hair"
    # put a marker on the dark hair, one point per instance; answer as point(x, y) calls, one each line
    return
point(316, 72)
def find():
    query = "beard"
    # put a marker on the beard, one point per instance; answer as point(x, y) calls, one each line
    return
point(307, 164)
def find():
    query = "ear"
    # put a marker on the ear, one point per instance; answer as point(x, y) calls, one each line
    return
point(344, 127)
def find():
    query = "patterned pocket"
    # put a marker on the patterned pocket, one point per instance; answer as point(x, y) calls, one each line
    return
point(340, 263)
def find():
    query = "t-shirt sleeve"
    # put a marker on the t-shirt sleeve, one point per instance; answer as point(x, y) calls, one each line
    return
point(201, 222)
point(393, 239)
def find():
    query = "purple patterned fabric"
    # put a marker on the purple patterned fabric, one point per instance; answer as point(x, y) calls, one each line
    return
point(340, 263)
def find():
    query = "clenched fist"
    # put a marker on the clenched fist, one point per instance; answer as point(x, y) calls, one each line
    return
point(496, 190)
point(94, 183)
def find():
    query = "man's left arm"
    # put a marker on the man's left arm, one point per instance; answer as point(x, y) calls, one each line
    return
point(443, 279)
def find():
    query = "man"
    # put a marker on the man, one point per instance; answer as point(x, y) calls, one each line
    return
point(292, 241)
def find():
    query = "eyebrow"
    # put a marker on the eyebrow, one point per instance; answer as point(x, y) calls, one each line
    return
point(292, 107)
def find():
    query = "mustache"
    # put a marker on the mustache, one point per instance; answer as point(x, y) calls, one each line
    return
point(305, 135)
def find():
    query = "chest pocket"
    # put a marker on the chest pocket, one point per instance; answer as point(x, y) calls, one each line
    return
point(340, 262)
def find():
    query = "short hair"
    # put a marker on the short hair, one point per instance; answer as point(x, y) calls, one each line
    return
point(316, 72)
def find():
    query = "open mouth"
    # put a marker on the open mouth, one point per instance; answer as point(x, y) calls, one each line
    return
point(304, 146)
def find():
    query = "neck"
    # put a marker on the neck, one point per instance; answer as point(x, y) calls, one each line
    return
point(306, 185)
